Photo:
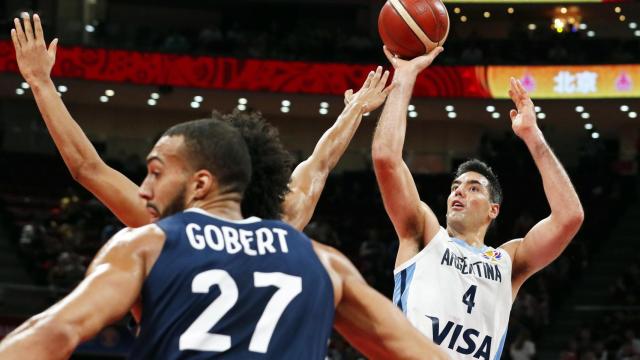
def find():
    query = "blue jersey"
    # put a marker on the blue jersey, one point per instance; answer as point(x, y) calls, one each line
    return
point(249, 289)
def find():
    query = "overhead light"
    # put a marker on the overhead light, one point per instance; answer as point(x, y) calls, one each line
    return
point(452, 115)
point(242, 101)
point(632, 114)
point(155, 96)
point(595, 135)
point(532, 26)
point(585, 115)
point(24, 85)
point(636, 33)
point(456, 10)
point(582, 26)
point(104, 98)
point(62, 88)
point(633, 25)
point(89, 28)
point(152, 102)
point(617, 9)
point(588, 126)
point(510, 10)
point(579, 108)
point(110, 93)
point(622, 18)
point(491, 108)
point(542, 116)
point(449, 108)
point(495, 115)
point(463, 18)
point(537, 108)
point(411, 108)
point(413, 114)
point(194, 104)
point(284, 109)
point(591, 33)
point(324, 105)
point(19, 91)
point(198, 98)
point(563, 10)
point(324, 111)
point(286, 103)
point(486, 14)
point(624, 108)
point(242, 107)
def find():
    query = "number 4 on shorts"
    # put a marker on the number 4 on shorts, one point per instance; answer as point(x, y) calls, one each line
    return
point(469, 297)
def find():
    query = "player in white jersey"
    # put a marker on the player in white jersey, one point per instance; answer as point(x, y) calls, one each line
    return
point(452, 287)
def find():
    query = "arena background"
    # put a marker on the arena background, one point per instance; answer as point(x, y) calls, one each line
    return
point(129, 69)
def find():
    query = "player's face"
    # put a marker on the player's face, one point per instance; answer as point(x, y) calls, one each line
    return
point(469, 203)
point(164, 187)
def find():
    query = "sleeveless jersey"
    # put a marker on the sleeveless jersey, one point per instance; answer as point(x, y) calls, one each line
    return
point(249, 289)
point(458, 296)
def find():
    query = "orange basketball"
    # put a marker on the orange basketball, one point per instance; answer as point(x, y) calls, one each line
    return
point(411, 28)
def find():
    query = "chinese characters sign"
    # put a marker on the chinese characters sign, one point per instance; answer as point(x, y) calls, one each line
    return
point(558, 82)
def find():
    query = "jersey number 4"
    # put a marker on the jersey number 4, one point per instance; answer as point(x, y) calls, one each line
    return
point(469, 297)
point(197, 336)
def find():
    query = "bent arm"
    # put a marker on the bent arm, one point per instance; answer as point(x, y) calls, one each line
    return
point(103, 297)
point(309, 177)
point(548, 238)
point(111, 187)
point(413, 220)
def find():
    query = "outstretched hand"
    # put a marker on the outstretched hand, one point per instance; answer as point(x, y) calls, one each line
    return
point(373, 92)
point(523, 120)
point(414, 66)
point(35, 60)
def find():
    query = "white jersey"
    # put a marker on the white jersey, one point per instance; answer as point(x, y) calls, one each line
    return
point(458, 296)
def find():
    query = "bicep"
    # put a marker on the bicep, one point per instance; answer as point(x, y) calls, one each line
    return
point(410, 216)
point(540, 246)
point(116, 192)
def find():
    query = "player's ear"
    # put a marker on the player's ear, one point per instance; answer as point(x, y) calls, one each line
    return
point(494, 210)
point(203, 182)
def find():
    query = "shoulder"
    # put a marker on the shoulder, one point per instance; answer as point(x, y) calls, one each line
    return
point(511, 247)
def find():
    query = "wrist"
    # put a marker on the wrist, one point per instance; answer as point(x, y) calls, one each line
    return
point(39, 83)
point(533, 137)
point(405, 77)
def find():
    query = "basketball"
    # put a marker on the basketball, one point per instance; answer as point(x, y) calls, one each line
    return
point(410, 28)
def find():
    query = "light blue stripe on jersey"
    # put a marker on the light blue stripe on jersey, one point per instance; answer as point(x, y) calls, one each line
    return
point(401, 287)
point(473, 249)
point(499, 352)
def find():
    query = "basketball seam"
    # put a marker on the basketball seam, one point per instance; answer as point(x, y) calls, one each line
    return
point(402, 11)
point(391, 34)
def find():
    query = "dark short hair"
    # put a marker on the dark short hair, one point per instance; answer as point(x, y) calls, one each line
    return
point(216, 146)
point(475, 165)
point(270, 162)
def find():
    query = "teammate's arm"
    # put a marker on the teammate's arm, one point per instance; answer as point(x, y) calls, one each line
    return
point(413, 220)
point(548, 238)
point(308, 178)
point(113, 189)
point(113, 283)
point(368, 320)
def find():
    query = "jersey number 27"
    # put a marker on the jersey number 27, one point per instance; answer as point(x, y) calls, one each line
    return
point(197, 336)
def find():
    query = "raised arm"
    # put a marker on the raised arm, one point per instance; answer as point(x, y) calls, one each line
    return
point(113, 189)
point(368, 320)
point(413, 220)
point(103, 297)
point(308, 178)
point(548, 238)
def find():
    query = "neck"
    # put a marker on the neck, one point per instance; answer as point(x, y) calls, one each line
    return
point(473, 237)
point(226, 206)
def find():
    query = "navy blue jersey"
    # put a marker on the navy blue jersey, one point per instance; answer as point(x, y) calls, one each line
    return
point(249, 289)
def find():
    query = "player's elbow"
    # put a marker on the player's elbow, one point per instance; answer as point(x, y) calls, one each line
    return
point(85, 170)
point(383, 158)
point(572, 220)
